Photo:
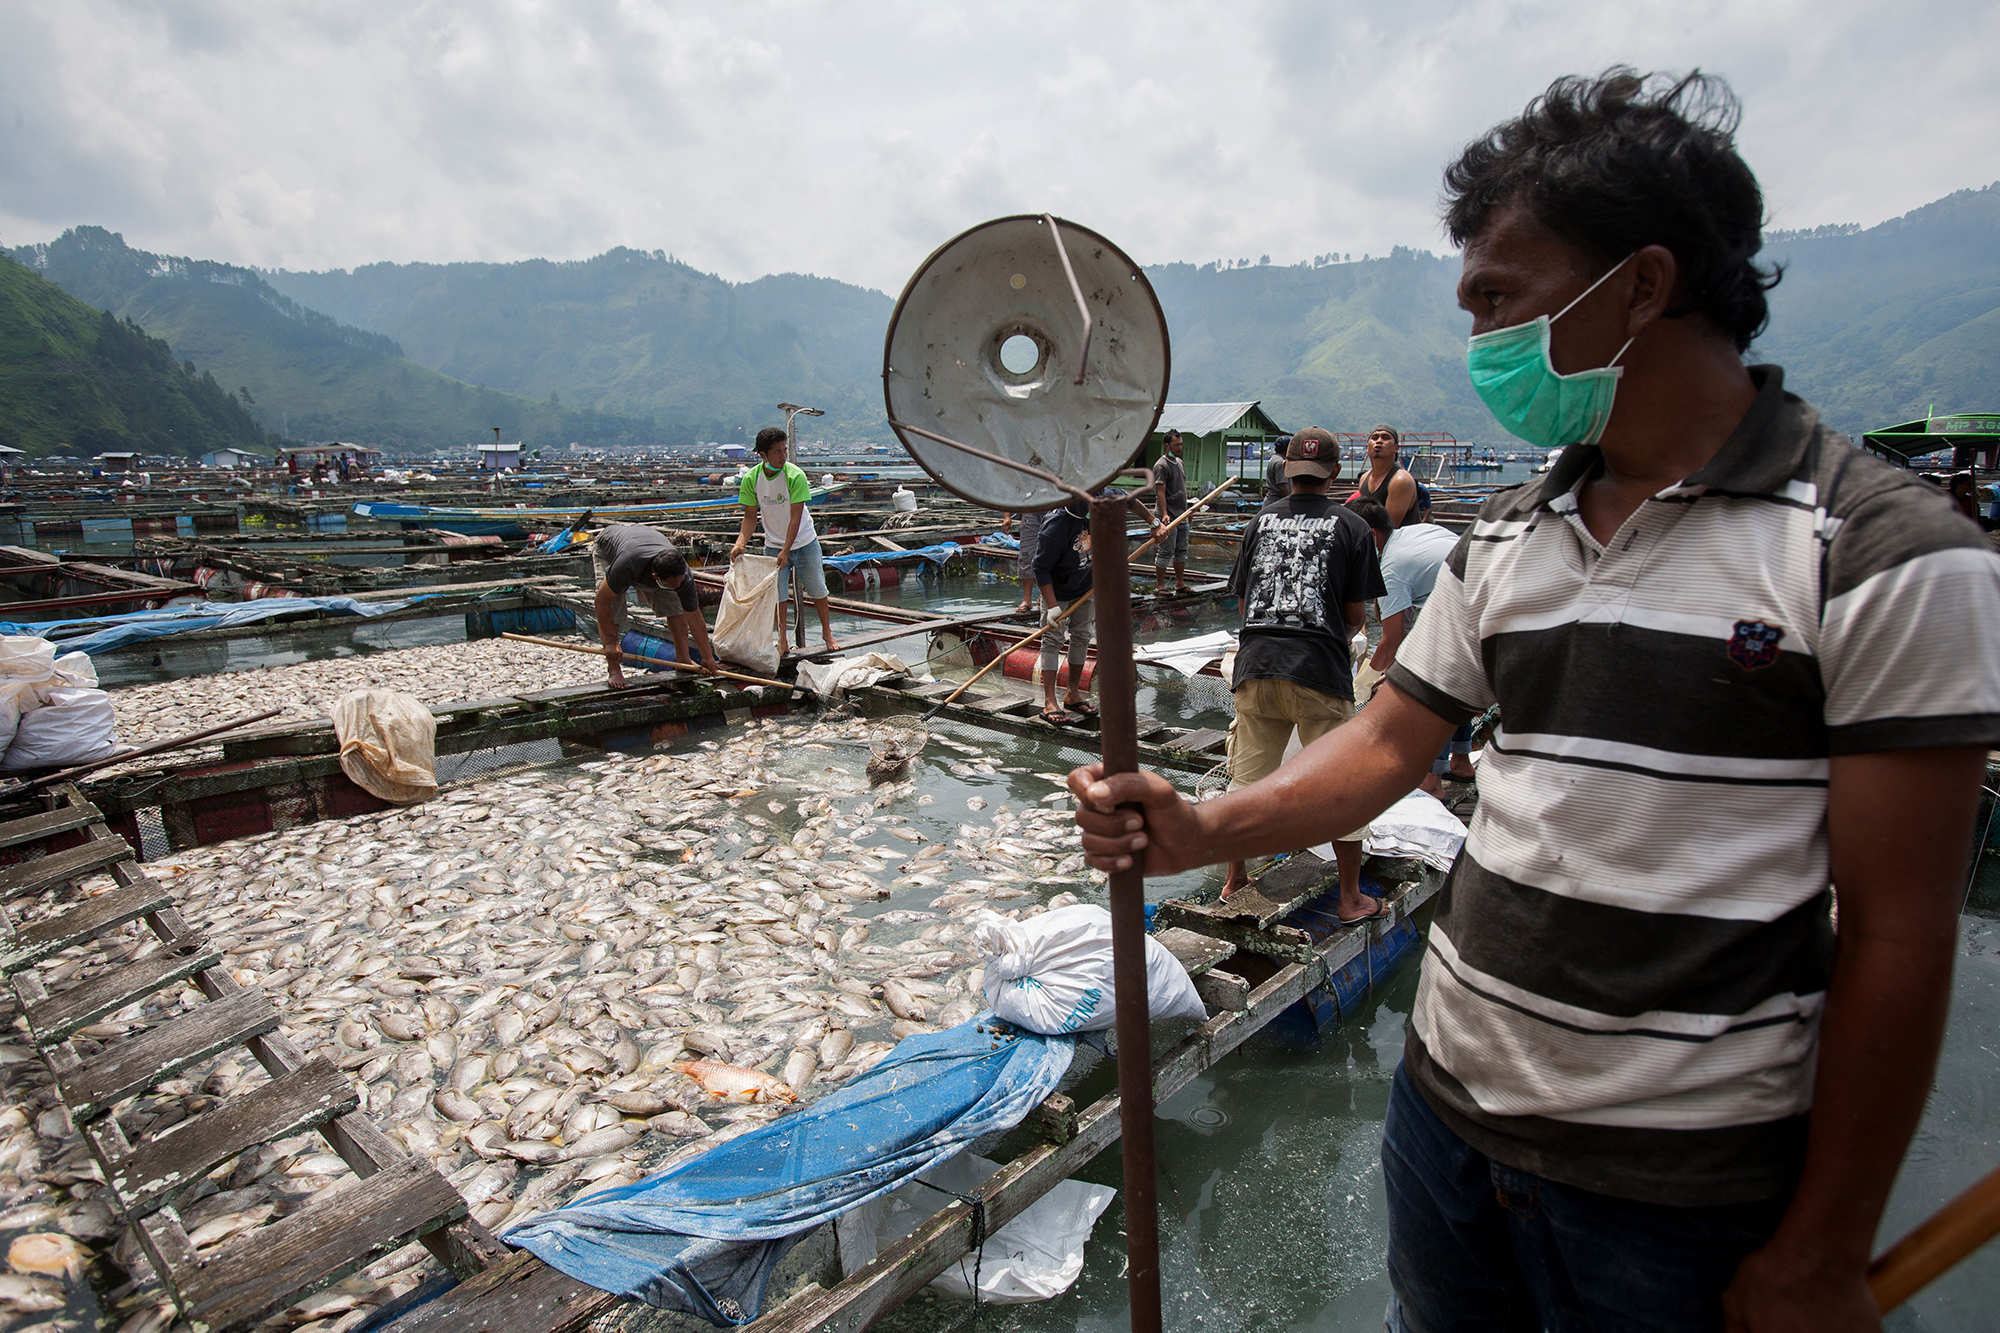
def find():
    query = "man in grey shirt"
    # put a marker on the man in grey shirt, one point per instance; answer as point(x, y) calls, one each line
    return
point(1276, 486)
point(1170, 488)
point(626, 556)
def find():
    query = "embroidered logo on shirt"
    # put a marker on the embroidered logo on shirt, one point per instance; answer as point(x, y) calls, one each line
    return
point(1754, 645)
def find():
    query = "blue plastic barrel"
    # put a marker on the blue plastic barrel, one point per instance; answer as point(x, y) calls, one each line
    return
point(527, 620)
point(635, 644)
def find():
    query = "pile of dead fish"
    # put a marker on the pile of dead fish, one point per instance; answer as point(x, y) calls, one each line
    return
point(560, 981)
point(306, 691)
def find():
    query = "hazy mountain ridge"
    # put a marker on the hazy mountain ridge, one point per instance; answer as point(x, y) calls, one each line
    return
point(80, 381)
point(630, 331)
point(1872, 325)
point(308, 375)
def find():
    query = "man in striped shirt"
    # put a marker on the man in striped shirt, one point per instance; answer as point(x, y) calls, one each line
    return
point(1740, 666)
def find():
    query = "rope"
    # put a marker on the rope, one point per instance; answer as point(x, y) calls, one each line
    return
point(978, 1242)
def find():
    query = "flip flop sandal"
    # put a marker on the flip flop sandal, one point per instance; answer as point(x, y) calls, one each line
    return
point(1382, 909)
point(1082, 708)
point(1056, 717)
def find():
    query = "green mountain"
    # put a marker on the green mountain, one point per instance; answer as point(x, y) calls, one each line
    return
point(1872, 325)
point(74, 380)
point(300, 371)
point(630, 331)
point(1876, 326)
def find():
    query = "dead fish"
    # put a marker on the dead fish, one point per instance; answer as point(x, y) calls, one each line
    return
point(902, 1001)
point(47, 1252)
point(728, 1080)
point(29, 1294)
point(800, 1067)
point(834, 1046)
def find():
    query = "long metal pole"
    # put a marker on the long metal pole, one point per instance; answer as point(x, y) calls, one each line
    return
point(1117, 688)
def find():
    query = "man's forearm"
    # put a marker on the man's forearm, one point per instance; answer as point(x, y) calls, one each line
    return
point(1333, 786)
point(1899, 827)
point(1886, 1005)
point(1392, 639)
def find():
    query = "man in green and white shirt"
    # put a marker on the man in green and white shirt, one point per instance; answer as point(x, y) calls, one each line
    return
point(777, 490)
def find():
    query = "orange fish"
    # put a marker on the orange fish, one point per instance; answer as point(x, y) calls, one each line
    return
point(722, 1080)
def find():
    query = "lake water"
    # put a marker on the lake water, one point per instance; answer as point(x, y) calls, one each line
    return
point(1271, 1198)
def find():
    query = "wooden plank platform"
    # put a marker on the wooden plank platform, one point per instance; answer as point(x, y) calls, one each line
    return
point(137, 1063)
point(58, 1017)
point(45, 872)
point(520, 1295)
point(396, 1196)
point(352, 1225)
point(290, 1104)
point(63, 819)
point(1206, 741)
point(87, 920)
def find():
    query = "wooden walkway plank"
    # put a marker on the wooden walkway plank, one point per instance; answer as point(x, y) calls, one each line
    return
point(139, 1062)
point(46, 872)
point(87, 920)
point(520, 1295)
point(58, 1017)
point(289, 1104)
point(62, 819)
point(347, 1227)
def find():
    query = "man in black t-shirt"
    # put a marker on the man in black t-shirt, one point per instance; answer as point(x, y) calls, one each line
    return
point(1305, 569)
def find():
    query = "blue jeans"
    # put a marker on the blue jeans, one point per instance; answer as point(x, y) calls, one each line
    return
point(1477, 1247)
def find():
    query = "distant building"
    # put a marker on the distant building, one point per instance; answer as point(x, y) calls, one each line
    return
point(120, 462)
point(497, 457)
point(232, 458)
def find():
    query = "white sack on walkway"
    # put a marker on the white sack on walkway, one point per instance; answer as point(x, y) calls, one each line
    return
point(831, 680)
point(1051, 973)
point(69, 725)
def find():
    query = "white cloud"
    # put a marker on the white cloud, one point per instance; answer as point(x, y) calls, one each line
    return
point(849, 139)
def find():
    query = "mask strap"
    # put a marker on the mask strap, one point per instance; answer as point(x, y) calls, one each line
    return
point(1593, 287)
point(1621, 352)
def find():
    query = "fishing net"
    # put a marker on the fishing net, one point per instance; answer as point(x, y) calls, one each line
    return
point(898, 738)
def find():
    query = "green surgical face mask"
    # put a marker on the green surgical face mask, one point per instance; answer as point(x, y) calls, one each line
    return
point(1513, 375)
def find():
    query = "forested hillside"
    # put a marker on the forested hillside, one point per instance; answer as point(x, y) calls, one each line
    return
point(630, 331)
point(307, 375)
point(635, 346)
point(74, 380)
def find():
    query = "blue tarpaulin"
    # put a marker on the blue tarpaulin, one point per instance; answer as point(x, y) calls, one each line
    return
point(101, 634)
point(703, 1236)
point(937, 555)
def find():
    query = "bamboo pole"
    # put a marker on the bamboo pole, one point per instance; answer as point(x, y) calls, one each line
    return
point(654, 661)
point(1941, 1240)
point(1072, 608)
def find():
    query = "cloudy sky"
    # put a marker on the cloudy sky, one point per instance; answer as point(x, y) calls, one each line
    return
point(848, 139)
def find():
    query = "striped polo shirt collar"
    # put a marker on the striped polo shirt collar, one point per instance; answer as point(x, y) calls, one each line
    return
point(1762, 456)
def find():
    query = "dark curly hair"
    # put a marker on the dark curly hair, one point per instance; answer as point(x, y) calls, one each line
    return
point(1627, 160)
